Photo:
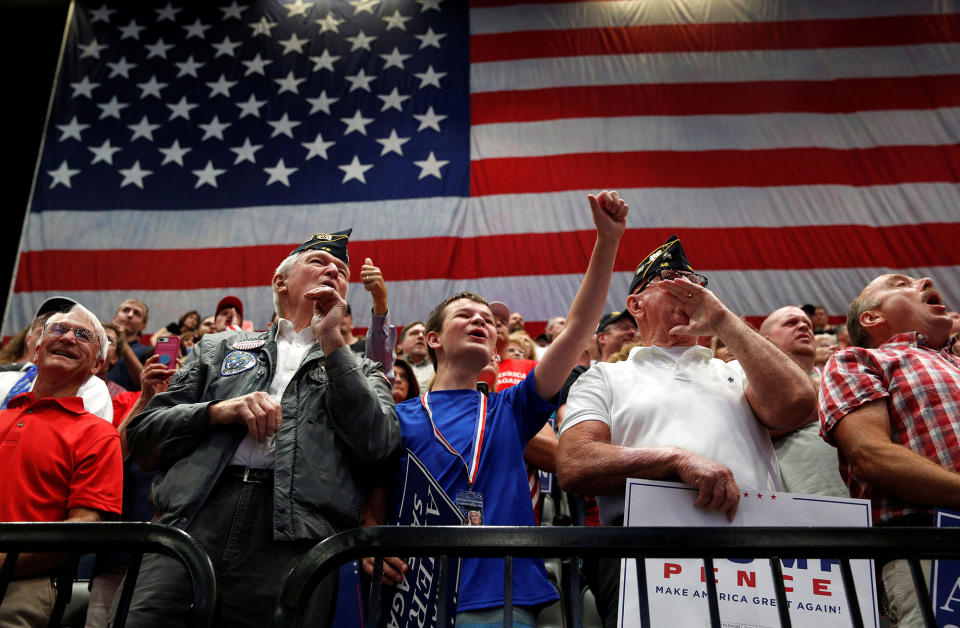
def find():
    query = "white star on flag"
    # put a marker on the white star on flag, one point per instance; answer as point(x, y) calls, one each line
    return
point(321, 103)
point(360, 40)
point(360, 80)
point(197, 29)
point(430, 39)
point(151, 88)
point(62, 175)
point(317, 148)
point(188, 67)
point(356, 123)
point(393, 143)
point(84, 87)
point(256, 65)
point(393, 100)
point(173, 153)
point(232, 11)
point(289, 83)
point(294, 44)
point(251, 107)
point(355, 170)
point(396, 21)
point(324, 61)
point(101, 15)
point(134, 175)
point(111, 108)
point(246, 152)
point(394, 59)
point(158, 49)
point(92, 49)
point(167, 13)
point(429, 77)
point(279, 173)
point(221, 86)
point(72, 129)
point(297, 8)
point(103, 153)
point(329, 23)
point(430, 167)
point(143, 129)
point(131, 30)
point(262, 27)
point(283, 126)
point(120, 68)
point(226, 47)
point(429, 120)
point(214, 128)
point(181, 109)
point(208, 175)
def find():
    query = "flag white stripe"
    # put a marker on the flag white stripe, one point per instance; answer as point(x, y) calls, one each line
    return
point(715, 67)
point(750, 293)
point(864, 129)
point(816, 205)
point(541, 17)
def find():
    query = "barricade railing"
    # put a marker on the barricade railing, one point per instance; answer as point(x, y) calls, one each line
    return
point(843, 544)
point(136, 539)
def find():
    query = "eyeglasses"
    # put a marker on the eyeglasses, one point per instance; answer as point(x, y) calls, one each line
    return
point(81, 334)
point(667, 274)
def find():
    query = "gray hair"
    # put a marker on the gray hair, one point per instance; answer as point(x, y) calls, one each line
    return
point(94, 323)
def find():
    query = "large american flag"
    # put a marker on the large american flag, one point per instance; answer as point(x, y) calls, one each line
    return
point(797, 148)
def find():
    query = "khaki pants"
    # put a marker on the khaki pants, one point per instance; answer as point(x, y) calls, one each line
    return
point(28, 603)
point(903, 606)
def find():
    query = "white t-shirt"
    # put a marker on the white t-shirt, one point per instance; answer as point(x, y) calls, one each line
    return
point(96, 397)
point(676, 397)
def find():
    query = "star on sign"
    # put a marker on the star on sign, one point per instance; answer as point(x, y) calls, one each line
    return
point(429, 120)
point(427, 5)
point(197, 29)
point(214, 128)
point(158, 49)
point(120, 68)
point(363, 5)
point(321, 103)
point(92, 49)
point(262, 27)
point(173, 153)
point(151, 88)
point(294, 44)
point(430, 39)
point(396, 21)
point(329, 23)
point(297, 8)
point(283, 126)
point(280, 173)
point(84, 88)
point(430, 167)
point(246, 152)
point(394, 59)
point(167, 13)
point(355, 170)
point(181, 109)
point(429, 77)
point(208, 175)
point(103, 153)
point(221, 86)
point(72, 129)
point(361, 40)
point(317, 148)
point(251, 107)
point(101, 15)
point(62, 175)
point(134, 175)
point(289, 83)
point(324, 61)
point(143, 129)
point(256, 65)
point(226, 47)
point(131, 30)
point(393, 100)
point(360, 80)
point(111, 108)
point(392, 144)
point(188, 67)
point(232, 11)
point(356, 123)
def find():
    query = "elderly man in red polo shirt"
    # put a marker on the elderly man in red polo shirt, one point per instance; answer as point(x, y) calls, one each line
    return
point(60, 463)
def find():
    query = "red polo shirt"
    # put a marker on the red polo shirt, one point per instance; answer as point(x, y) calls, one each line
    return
point(55, 456)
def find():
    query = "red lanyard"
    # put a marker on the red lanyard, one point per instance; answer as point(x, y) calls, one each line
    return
point(481, 422)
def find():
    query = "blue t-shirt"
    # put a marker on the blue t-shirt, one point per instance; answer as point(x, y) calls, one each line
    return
point(513, 418)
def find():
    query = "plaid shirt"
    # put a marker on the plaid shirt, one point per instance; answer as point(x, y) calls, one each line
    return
point(922, 391)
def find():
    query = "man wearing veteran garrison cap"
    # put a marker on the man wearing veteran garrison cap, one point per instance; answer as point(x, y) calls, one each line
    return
point(265, 443)
point(671, 411)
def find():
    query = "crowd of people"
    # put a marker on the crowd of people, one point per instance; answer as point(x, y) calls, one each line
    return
point(261, 443)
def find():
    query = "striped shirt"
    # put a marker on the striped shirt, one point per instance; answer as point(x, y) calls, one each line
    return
point(921, 386)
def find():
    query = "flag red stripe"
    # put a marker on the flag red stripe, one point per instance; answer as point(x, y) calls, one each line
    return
point(839, 96)
point(795, 35)
point(747, 248)
point(716, 168)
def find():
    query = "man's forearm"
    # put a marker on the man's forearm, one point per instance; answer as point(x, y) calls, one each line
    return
point(597, 468)
point(900, 471)
point(779, 392)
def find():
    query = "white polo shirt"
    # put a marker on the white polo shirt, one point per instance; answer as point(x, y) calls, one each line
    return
point(676, 397)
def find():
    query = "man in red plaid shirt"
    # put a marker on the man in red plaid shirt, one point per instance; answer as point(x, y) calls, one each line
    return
point(889, 404)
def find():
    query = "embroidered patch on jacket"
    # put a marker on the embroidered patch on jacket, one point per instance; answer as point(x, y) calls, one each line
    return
point(237, 362)
point(246, 345)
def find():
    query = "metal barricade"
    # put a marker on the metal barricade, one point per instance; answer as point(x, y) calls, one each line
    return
point(844, 544)
point(134, 538)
